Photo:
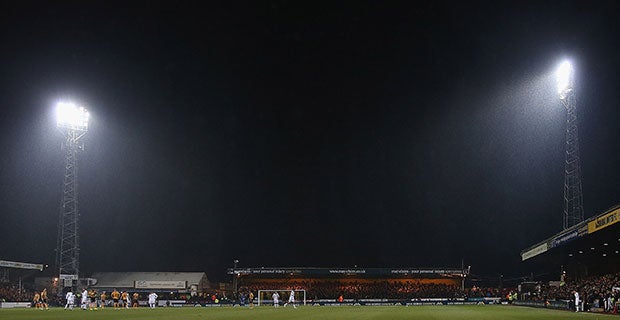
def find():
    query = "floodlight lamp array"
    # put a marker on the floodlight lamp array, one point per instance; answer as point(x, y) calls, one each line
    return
point(70, 116)
point(565, 79)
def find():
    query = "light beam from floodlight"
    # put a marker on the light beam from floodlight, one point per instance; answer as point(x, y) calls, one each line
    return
point(565, 78)
point(70, 116)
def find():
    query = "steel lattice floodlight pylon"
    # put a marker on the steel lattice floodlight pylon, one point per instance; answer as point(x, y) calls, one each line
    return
point(573, 197)
point(73, 123)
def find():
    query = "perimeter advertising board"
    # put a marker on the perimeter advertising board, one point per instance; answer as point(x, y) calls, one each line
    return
point(347, 271)
point(542, 248)
point(566, 237)
point(604, 221)
point(145, 284)
point(20, 265)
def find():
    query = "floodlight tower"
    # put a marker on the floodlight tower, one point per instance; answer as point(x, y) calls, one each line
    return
point(573, 197)
point(73, 123)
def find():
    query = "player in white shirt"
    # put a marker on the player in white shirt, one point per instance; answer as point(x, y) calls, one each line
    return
point(291, 299)
point(152, 299)
point(577, 302)
point(70, 300)
point(128, 300)
point(84, 301)
point(276, 298)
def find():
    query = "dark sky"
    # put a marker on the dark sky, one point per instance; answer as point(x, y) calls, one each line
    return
point(288, 133)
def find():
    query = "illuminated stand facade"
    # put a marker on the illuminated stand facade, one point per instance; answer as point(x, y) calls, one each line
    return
point(573, 197)
point(73, 123)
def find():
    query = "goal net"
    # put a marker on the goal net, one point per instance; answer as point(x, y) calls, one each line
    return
point(265, 297)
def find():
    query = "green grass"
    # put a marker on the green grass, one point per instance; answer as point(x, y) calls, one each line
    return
point(305, 313)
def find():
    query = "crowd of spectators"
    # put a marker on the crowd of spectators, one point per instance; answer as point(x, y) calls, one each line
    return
point(11, 292)
point(488, 292)
point(593, 290)
point(380, 289)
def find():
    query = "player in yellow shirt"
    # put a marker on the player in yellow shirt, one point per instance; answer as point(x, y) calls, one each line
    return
point(92, 294)
point(36, 300)
point(134, 300)
point(124, 296)
point(115, 296)
point(44, 299)
point(102, 297)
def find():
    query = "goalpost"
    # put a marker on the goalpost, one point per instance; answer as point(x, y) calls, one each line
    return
point(265, 296)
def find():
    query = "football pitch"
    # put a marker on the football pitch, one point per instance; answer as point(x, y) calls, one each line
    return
point(305, 312)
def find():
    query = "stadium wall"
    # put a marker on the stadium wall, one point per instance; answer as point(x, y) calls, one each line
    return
point(559, 304)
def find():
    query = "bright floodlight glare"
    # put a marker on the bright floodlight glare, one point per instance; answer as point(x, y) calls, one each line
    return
point(565, 75)
point(70, 116)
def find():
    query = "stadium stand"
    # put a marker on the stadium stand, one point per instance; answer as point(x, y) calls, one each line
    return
point(358, 284)
point(184, 282)
point(584, 258)
point(589, 248)
point(13, 288)
point(598, 293)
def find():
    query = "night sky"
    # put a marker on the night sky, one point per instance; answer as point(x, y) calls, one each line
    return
point(288, 133)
